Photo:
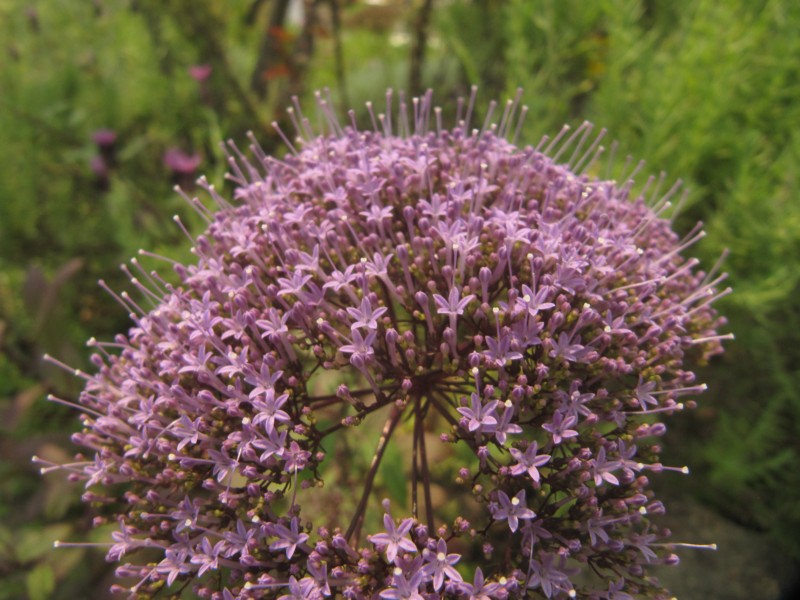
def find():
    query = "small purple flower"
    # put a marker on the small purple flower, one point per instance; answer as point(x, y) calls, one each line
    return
point(532, 302)
point(395, 539)
point(616, 591)
point(602, 469)
point(644, 395)
point(512, 510)
point(479, 416)
point(124, 542)
point(453, 305)
point(288, 538)
point(361, 347)
point(439, 564)
point(296, 458)
point(505, 425)
point(549, 576)
point(268, 409)
point(529, 462)
point(500, 352)
point(305, 589)
point(207, 556)
point(365, 316)
point(238, 541)
point(566, 349)
point(403, 587)
point(272, 445)
point(559, 427)
point(642, 543)
point(174, 564)
point(480, 589)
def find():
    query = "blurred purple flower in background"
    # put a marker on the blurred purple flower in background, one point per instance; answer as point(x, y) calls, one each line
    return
point(178, 161)
point(183, 166)
point(200, 73)
point(106, 159)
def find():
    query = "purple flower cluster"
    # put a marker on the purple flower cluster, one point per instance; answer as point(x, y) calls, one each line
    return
point(447, 280)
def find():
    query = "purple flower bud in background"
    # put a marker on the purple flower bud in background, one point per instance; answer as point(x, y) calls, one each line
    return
point(32, 16)
point(179, 162)
point(200, 73)
point(106, 141)
point(100, 170)
point(183, 166)
point(104, 138)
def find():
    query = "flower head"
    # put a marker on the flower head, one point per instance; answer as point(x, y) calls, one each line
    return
point(435, 281)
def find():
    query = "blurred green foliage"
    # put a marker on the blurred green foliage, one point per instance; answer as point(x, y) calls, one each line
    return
point(703, 90)
point(706, 91)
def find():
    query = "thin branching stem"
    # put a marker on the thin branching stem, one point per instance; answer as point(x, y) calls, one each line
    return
point(386, 434)
point(415, 457)
point(426, 475)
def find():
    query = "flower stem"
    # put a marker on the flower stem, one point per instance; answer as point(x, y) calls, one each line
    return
point(386, 433)
point(426, 475)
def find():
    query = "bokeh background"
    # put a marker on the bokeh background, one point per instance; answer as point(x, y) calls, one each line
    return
point(105, 105)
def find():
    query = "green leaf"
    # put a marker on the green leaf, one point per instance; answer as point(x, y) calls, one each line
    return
point(5, 544)
point(564, 510)
point(35, 542)
point(40, 582)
